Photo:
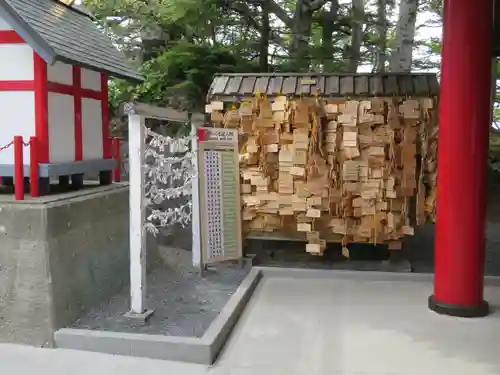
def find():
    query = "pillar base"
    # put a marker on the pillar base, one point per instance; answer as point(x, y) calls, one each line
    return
point(480, 311)
point(138, 316)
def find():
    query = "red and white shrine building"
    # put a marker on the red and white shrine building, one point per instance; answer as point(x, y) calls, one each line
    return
point(54, 69)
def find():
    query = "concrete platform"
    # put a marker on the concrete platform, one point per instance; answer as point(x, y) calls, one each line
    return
point(309, 322)
point(60, 256)
point(320, 322)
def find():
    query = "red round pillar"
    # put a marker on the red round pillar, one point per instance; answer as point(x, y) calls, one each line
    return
point(464, 121)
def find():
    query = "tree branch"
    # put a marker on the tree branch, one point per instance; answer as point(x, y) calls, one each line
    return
point(274, 8)
point(251, 18)
point(316, 4)
point(280, 13)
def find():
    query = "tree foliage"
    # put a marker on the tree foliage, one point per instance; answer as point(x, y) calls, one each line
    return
point(180, 76)
point(179, 45)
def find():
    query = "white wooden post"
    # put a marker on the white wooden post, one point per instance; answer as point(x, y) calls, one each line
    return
point(137, 209)
point(137, 112)
point(195, 199)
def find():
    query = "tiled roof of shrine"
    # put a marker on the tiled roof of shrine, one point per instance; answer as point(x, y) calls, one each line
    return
point(58, 32)
point(228, 86)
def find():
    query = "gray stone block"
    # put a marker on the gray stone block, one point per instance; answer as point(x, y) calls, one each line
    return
point(60, 256)
point(22, 221)
point(106, 342)
point(184, 349)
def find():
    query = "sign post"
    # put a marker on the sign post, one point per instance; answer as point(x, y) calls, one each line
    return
point(219, 193)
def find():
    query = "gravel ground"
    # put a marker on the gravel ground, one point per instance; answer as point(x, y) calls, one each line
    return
point(185, 304)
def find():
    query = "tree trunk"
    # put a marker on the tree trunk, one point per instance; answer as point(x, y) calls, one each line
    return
point(265, 36)
point(301, 33)
point(380, 57)
point(358, 15)
point(401, 57)
point(328, 25)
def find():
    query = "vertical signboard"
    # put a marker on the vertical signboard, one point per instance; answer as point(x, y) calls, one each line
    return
point(220, 201)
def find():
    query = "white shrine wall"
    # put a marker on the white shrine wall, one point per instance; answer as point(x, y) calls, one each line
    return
point(91, 80)
point(60, 73)
point(17, 110)
point(16, 62)
point(92, 117)
point(63, 112)
point(92, 129)
point(61, 120)
point(61, 115)
point(17, 98)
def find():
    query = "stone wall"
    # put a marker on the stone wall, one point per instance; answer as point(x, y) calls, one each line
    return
point(60, 256)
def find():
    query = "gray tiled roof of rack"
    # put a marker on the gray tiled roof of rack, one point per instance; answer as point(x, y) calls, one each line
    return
point(61, 33)
point(228, 86)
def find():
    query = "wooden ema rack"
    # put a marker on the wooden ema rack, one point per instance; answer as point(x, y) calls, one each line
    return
point(340, 170)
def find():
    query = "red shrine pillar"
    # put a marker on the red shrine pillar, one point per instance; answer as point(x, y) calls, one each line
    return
point(464, 121)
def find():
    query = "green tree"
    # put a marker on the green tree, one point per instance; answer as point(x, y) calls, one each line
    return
point(180, 44)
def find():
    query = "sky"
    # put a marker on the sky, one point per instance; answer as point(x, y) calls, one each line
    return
point(426, 32)
point(422, 33)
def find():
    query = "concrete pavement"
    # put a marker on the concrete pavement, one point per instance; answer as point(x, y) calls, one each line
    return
point(324, 326)
point(336, 326)
point(16, 359)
